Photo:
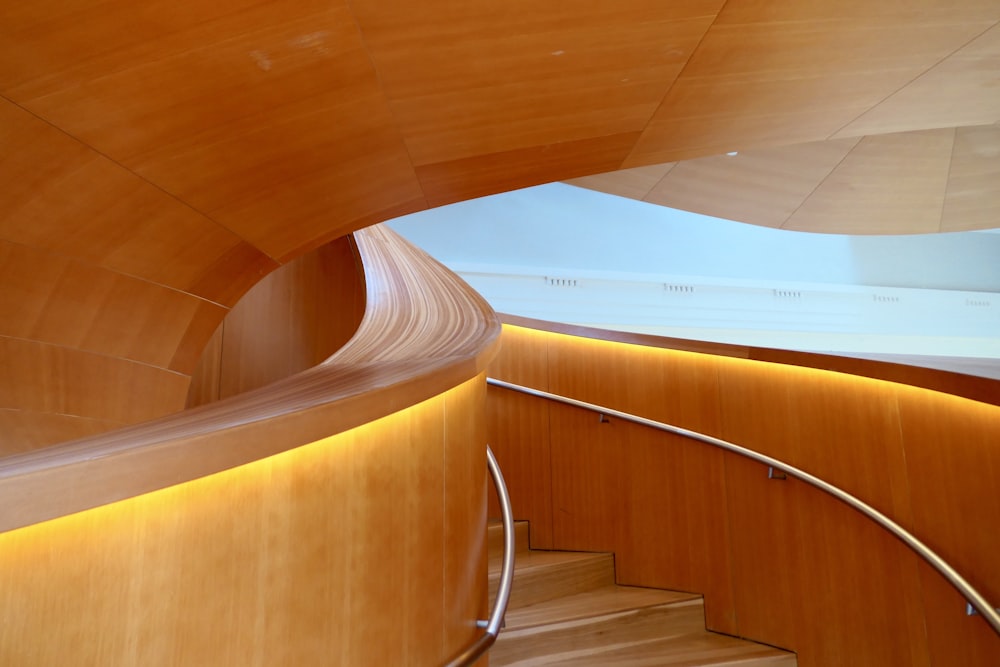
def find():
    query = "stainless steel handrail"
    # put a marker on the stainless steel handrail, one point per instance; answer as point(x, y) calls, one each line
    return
point(495, 622)
point(973, 596)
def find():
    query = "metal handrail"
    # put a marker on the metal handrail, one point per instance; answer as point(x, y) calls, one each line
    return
point(974, 598)
point(495, 622)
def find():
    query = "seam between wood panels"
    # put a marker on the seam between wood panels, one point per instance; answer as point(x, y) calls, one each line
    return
point(912, 80)
point(137, 175)
point(666, 93)
point(96, 353)
point(386, 100)
point(821, 182)
point(661, 179)
point(947, 180)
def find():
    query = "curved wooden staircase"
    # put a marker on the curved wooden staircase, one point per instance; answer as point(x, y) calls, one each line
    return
point(565, 609)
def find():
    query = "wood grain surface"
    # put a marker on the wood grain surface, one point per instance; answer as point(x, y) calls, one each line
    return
point(293, 319)
point(160, 158)
point(424, 331)
point(940, 180)
point(777, 561)
point(363, 548)
point(171, 155)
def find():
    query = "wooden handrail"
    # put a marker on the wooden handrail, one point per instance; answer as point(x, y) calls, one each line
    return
point(424, 331)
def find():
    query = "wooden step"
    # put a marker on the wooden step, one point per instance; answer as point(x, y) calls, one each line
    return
point(565, 609)
point(598, 602)
point(597, 633)
point(494, 538)
point(706, 649)
point(544, 575)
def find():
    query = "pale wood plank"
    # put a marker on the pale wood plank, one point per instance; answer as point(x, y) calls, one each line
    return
point(763, 186)
point(599, 602)
point(545, 575)
point(632, 183)
point(960, 90)
point(972, 200)
point(888, 184)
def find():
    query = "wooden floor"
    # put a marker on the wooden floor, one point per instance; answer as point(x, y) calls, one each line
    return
point(565, 609)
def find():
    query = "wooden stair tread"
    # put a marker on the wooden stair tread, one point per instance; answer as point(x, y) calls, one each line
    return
point(544, 575)
point(565, 609)
point(597, 602)
point(598, 633)
point(705, 649)
point(530, 560)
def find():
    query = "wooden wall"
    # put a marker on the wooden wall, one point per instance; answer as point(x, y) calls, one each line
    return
point(365, 548)
point(335, 516)
point(293, 319)
point(159, 158)
point(777, 561)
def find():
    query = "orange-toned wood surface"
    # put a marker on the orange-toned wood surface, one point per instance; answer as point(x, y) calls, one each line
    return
point(366, 548)
point(424, 331)
point(778, 561)
point(290, 321)
point(159, 159)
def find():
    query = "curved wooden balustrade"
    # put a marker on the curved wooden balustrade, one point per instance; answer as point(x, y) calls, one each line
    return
point(424, 331)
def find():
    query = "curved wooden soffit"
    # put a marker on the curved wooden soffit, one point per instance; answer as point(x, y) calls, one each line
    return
point(424, 331)
point(921, 182)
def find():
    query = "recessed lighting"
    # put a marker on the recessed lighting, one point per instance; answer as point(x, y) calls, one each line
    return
point(732, 153)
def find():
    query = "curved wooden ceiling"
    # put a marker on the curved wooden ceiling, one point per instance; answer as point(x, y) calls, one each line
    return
point(159, 157)
point(925, 181)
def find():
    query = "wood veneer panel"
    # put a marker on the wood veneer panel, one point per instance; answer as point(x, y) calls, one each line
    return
point(46, 378)
point(292, 320)
point(808, 573)
point(972, 200)
point(464, 571)
point(477, 176)
point(518, 432)
point(957, 91)
point(291, 560)
point(632, 183)
point(768, 78)
point(523, 357)
point(24, 430)
point(265, 117)
point(589, 483)
point(935, 373)
point(954, 469)
point(54, 300)
point(813, 575)
point(424, 331)
point(528, 73)
point(798, 415)
point(762, 186)
point(888, 184)
point(656, 500)
point(615, 487)
point(65, 198)
point(207, 375)
point(667, 385)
